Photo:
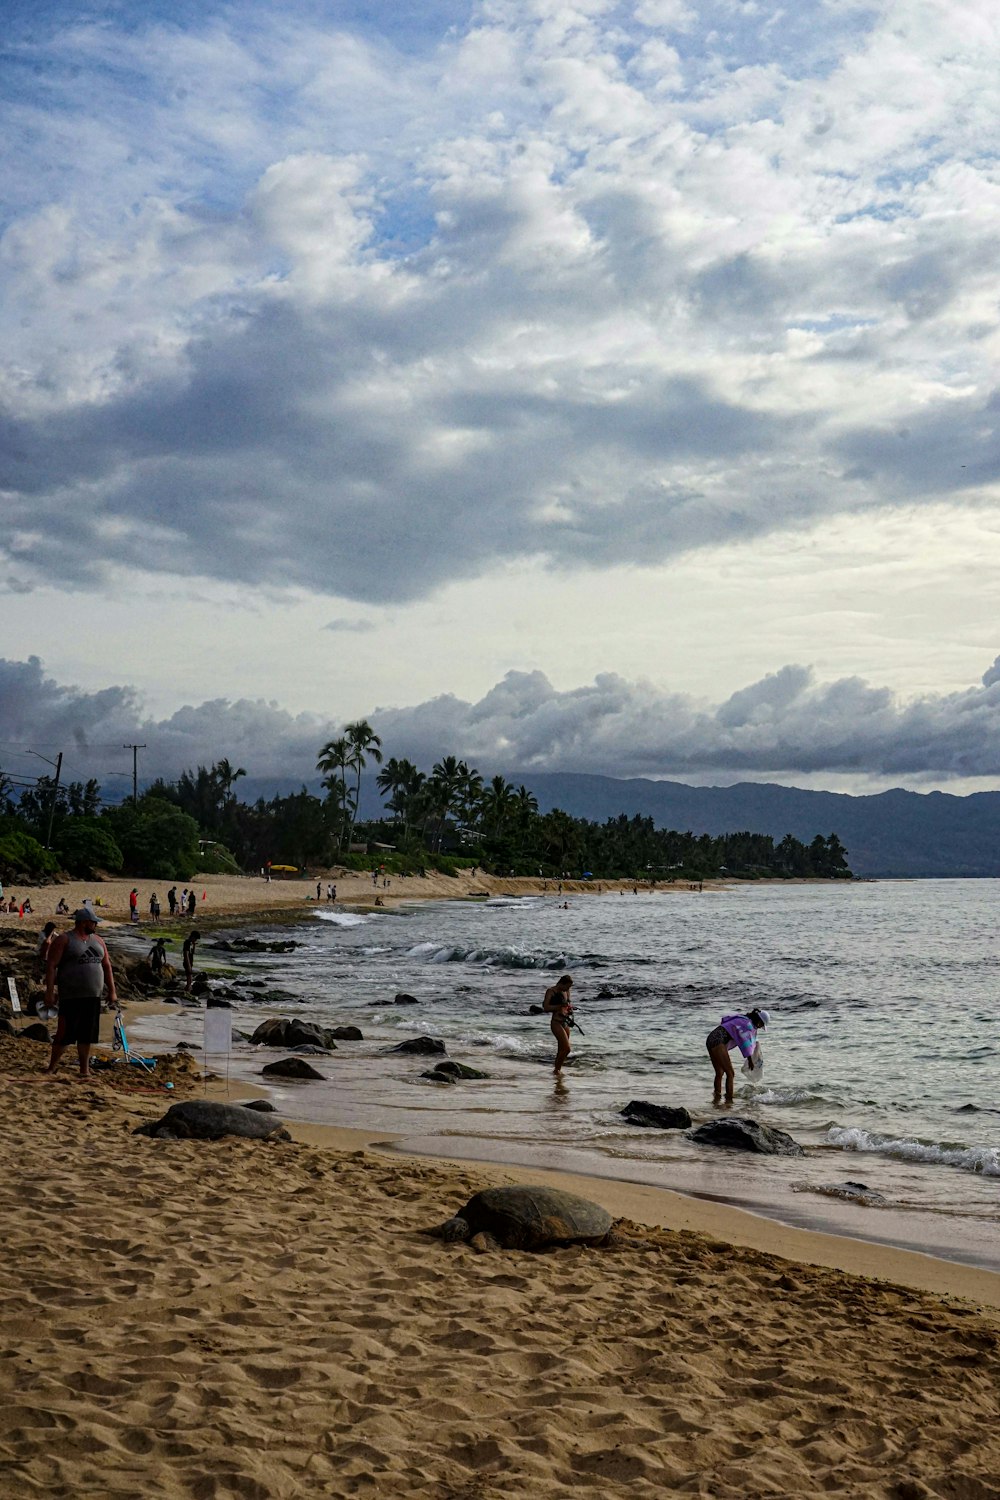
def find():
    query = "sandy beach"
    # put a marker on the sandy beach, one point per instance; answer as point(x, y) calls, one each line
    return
point(190, 1319)
point(269, 1320)
point(246, 897)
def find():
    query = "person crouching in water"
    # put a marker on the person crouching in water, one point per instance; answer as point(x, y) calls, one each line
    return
point(733, 1031)
point(559, 1007)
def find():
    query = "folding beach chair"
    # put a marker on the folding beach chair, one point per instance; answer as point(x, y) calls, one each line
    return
point(121, 1045)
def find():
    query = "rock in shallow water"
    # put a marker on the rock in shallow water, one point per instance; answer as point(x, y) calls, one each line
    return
point(746, 1135)
point(291, 1067)
point(656, 1116)
point(421, 1046)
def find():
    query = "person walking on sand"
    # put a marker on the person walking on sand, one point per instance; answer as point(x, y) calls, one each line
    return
point(734, 1031)
point(79, 964)
point(559, 1008)
point(187, 957)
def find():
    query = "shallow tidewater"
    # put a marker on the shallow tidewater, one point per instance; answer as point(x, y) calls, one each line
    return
point(881, 1058)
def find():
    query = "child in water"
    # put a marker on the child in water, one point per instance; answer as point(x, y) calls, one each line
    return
point(733, 1031)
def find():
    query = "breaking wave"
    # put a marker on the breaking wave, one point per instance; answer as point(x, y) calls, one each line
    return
point(984, 1160)
point(502, 958)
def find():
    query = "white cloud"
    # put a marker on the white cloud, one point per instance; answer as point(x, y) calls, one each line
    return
point(617, 310)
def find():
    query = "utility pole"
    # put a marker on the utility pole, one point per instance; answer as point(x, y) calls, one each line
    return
point(55, 791)
point(135, 770)
point(52, 804)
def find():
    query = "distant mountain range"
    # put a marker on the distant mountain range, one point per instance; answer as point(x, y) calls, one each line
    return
point(891, 833)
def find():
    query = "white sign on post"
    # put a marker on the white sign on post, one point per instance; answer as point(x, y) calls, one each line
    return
point(15, 1000)
point(218, 1032)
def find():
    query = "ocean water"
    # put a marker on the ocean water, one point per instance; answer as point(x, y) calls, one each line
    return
point(882, 1058)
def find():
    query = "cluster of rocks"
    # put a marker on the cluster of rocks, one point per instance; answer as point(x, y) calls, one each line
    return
point(735, 1131)
point(253, 945)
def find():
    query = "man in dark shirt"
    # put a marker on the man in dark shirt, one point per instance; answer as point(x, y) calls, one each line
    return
point(187, 955)
point(78, 963)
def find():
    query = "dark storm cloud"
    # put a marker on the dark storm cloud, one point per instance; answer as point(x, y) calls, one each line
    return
point(783, 725)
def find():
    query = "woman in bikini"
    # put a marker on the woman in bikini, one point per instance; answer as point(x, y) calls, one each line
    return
point(559, 1007)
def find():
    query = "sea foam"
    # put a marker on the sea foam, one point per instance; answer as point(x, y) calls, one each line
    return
point(984, 1160)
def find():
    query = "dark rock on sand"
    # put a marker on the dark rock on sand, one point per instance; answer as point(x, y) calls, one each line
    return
point(526, 1218)
point(210, 1120)
point(746, 1135)
point(7, 1028)
point(290, 1067)
point(657, 1116)
point(437, 1077)
point(263, 1106)
point(406, 1000)
point(422, 1046)
point(217, 1002)
point(36, 1032)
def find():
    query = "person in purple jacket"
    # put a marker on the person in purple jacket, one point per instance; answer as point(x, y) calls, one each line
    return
point(733, 1031)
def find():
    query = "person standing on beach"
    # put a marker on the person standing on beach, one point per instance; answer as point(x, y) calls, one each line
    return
point(192, 903)
point(158, 957)
point(79, 964)
point(733, 1031)
point(187, 957)
point(559, 1008)
point(172, 899)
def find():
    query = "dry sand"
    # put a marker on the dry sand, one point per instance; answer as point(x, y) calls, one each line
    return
point(266, 1321)
point(244, 896)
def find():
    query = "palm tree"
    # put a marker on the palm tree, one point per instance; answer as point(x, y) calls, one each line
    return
point(226, 776)
point(335, 760)
point(402, 781)
point(560, 835)
point(499, 801)
point(526, 810)
point(363, 742)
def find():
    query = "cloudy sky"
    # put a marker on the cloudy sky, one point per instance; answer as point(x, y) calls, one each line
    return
point(564, 383)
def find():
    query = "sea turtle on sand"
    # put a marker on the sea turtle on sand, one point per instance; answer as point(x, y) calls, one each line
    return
point(526, 1218)
point(210, 1120)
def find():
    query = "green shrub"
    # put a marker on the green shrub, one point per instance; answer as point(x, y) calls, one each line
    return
point(21, 855)
point(84, 845)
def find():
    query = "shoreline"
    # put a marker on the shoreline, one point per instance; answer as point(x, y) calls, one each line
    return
point(723, 1215)
point(766, 1225)
point(723, 1221)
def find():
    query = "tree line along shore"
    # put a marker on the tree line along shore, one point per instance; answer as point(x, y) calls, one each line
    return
point(441, 820)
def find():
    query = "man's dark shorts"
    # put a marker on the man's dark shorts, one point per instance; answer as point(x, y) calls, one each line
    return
point(79, 1021)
